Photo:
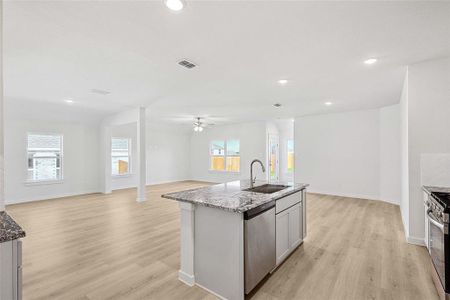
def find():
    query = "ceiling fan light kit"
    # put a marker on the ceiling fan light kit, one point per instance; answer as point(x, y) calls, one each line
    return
point(198, 125)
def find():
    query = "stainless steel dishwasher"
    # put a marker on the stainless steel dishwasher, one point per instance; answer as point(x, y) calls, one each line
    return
point(259, 244)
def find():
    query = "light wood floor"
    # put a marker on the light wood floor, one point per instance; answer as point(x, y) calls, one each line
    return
point(111, 247)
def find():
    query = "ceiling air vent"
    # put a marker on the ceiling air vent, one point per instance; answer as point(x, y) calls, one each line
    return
point(186, 64)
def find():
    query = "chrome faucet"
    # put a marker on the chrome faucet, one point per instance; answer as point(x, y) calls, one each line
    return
point(252, 180)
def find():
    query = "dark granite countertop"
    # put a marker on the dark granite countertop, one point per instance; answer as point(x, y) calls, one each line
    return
point(431, 189)
point(9, 229)
point(232, 196)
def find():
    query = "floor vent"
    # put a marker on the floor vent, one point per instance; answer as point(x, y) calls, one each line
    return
point(186, 64)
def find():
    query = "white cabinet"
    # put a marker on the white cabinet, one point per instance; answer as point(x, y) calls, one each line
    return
point(295, 226)
point(282, 235)
point(287, 202)
point(289, 229)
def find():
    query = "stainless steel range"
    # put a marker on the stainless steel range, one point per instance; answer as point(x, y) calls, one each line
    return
point(439, 240)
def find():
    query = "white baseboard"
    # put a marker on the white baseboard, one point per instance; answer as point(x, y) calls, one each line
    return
point(348, 195)
point(130, 186)
point(390, 200)
point(357, 196)
point(186, 278)
point(415, 240)
point(166, 181)
point(50, 197)
point(93, 191)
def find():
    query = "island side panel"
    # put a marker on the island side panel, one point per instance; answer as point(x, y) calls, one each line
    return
point(187, 231)
point(305, 231)
point(219, 252)
point(6, 271)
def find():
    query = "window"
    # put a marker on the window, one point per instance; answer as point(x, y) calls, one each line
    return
point(290, 155)
point(120, 156)
point(225, 156)
point(233, 158)
point(218, 155)
point(44, 154)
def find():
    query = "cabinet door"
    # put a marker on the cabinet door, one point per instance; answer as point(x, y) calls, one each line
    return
point(295, 226)
point(282, 236)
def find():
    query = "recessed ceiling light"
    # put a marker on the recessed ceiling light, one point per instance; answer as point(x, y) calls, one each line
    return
point(328, 103)
point(370, 61)
point(175, 5)
point(282, 81)
point(68, 101)
point(277, 105)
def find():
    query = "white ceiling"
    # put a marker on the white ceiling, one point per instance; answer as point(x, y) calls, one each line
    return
point(63, 49)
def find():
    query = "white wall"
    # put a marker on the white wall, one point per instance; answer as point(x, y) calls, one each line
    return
point(435, 169)
point(80, 161)
point(353, 154)
point(390, 154)
point(168, 151)
point(168, 155)
point(428, 98)
point(338, 154)
point(252, 138)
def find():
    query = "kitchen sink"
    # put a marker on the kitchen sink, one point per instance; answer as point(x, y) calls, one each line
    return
point(267, 188)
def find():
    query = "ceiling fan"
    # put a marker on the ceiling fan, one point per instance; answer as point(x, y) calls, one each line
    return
point(199, 125)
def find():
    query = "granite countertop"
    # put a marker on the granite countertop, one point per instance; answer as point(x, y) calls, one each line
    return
point(231, 195)
point(431, 189)
point(9, 229)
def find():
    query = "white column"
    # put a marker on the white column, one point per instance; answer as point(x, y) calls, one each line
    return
point(186, 272)
point(2, 151)
point(141, 160)
point(105, 158)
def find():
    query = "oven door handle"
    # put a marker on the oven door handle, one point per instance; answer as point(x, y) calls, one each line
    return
point(435, 222)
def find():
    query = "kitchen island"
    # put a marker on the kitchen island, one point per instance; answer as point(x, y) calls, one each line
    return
point(220, 246)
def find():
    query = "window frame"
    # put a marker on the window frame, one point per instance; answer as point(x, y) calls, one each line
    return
point(129, 173)
point(61, 160)
point(225, 156)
